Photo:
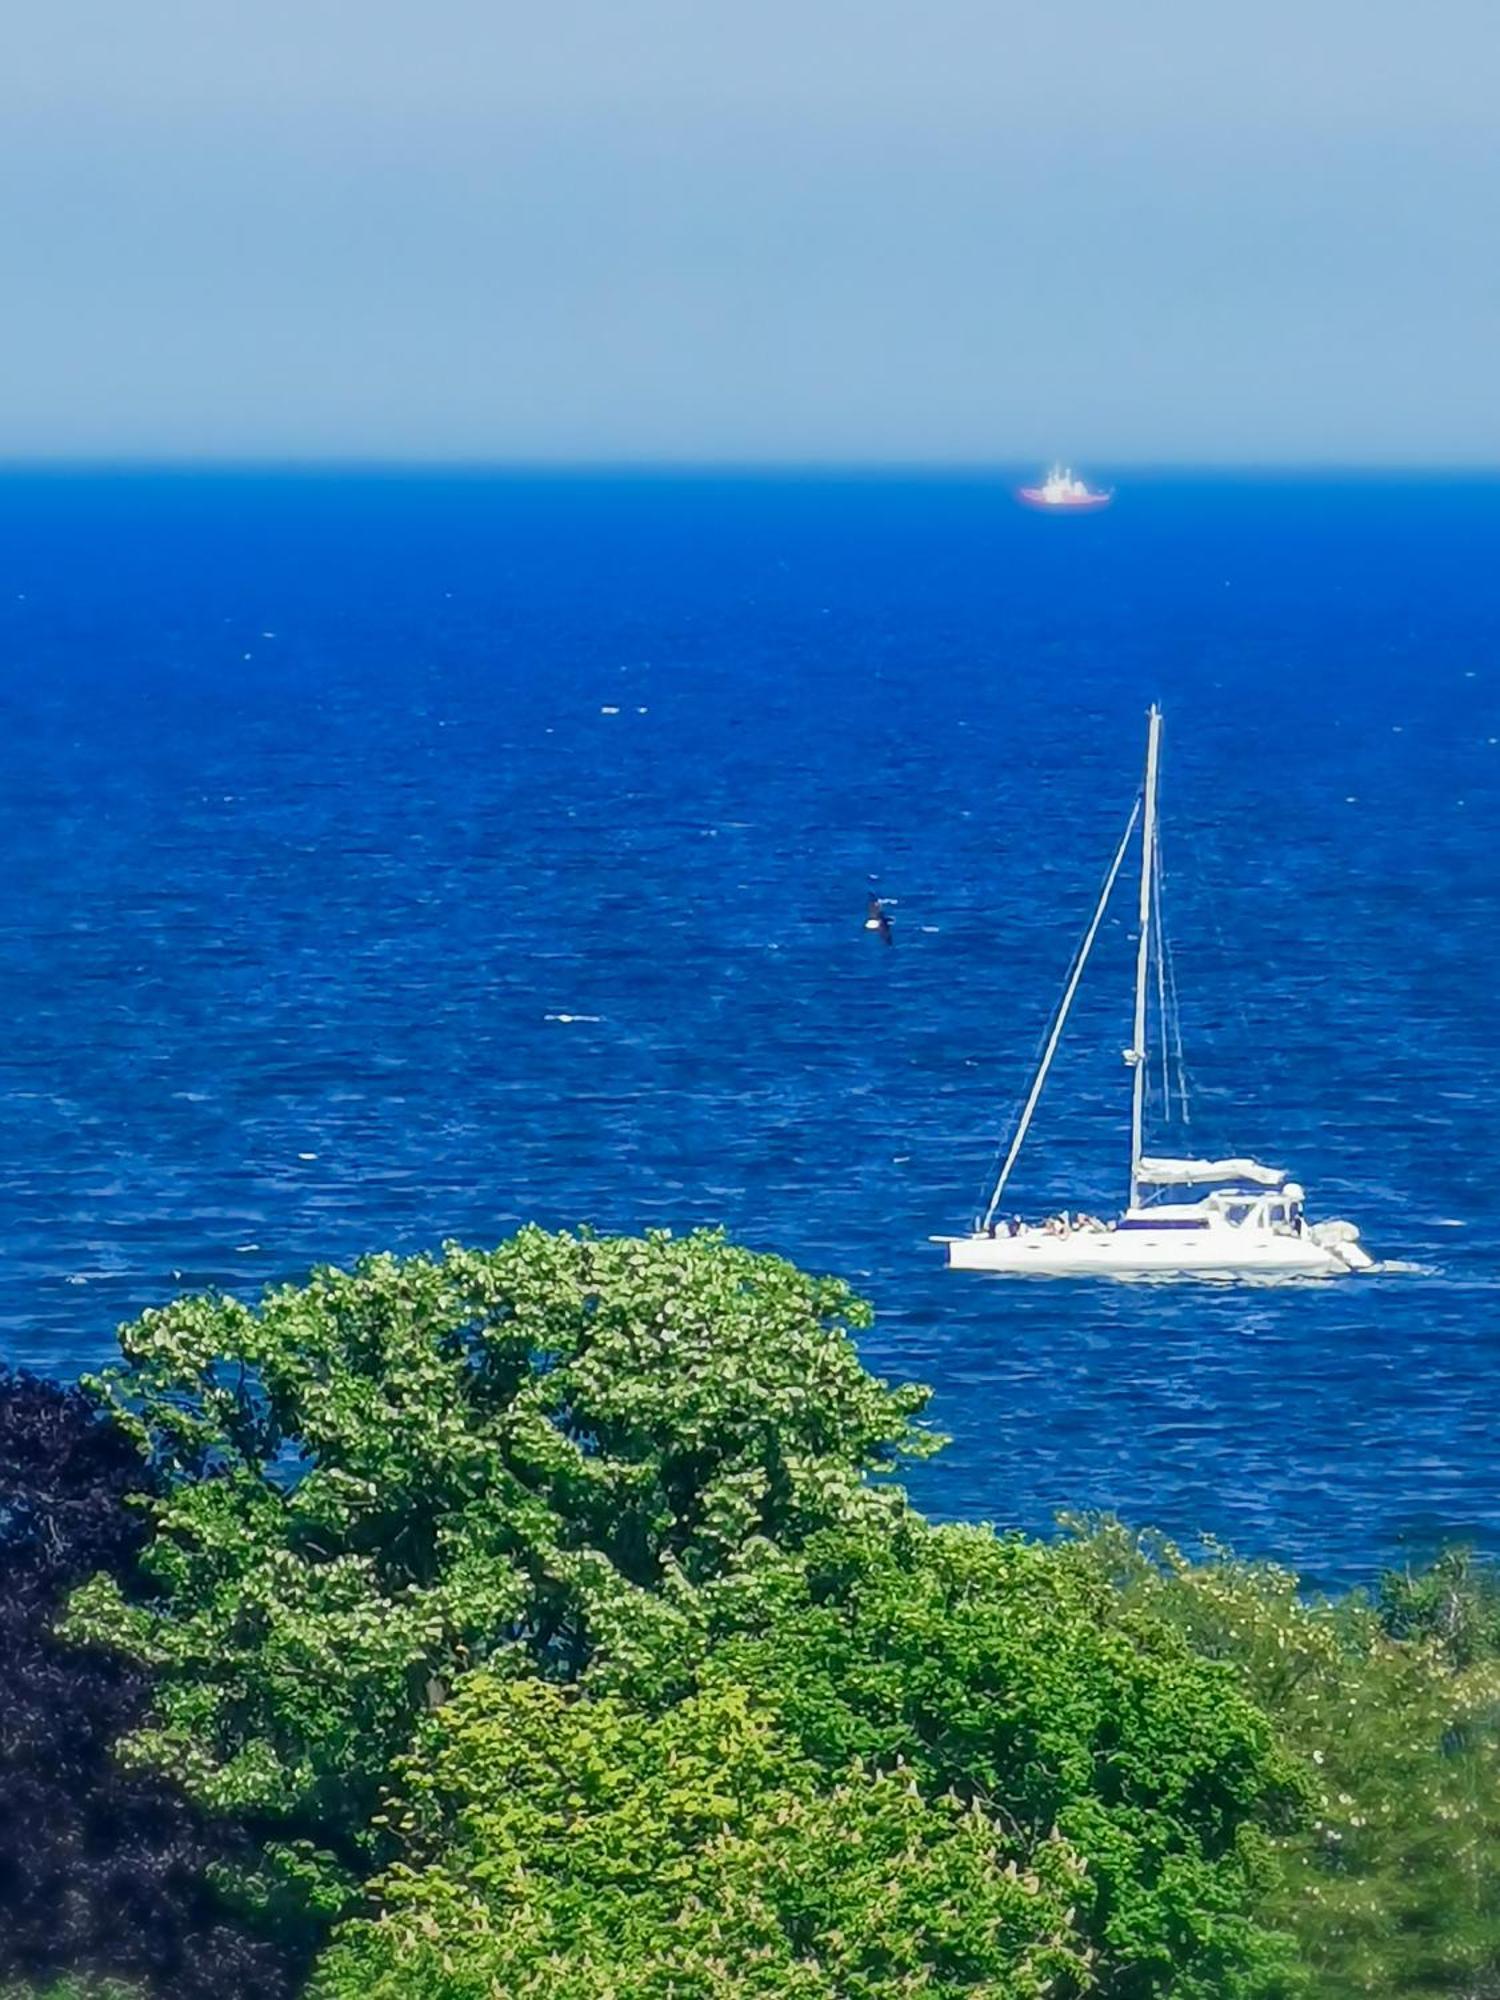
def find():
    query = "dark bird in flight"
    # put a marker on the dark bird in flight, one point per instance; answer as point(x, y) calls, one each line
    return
point(877, 920)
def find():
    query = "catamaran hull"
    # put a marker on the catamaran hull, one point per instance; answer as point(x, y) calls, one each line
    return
point(1138, 1253)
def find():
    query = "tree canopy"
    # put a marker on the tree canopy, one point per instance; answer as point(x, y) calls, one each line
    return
point(1391, 1880)
point(380, 1480)
point(590, 1506)
point(1000, 1672)
point(102, 1870)
point(835, 1787)
point(551, 1619)
point(560, 1847)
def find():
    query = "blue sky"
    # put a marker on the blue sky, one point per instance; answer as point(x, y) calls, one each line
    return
point(679, 229)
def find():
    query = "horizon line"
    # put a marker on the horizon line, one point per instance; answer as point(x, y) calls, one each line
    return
point(315, 464)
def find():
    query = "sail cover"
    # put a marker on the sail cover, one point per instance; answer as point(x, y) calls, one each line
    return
point(1196, 1173)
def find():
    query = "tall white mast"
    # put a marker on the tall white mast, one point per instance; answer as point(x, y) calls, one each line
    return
point(1136, 1054)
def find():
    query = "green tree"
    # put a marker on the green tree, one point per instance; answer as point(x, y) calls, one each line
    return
point(557, 1847)
point(1001, 1672)
point(645, 1481)
point(833, 1787)
point(1392, 1882)
point(379, 1480)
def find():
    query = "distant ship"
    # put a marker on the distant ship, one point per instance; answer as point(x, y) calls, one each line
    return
point(1061, 493)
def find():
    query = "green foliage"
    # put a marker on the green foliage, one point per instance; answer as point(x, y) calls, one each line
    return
point(573, 1549)
point(1002, 1672)
point(1393, 1884)
point(902, 1760)
point(1454, 1604)
point(382, 1479)
point(566, 1848)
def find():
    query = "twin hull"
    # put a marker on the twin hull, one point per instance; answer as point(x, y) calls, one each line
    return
point(1129, 1253)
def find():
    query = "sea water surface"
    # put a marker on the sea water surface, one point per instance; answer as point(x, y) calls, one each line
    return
point(392, 858)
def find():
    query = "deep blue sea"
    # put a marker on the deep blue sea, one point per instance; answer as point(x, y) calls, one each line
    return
point(386, 859)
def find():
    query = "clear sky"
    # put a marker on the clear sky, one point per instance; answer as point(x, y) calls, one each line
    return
point(1161, 230)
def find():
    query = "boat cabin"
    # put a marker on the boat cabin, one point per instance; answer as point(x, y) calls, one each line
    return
point(1232, 1207)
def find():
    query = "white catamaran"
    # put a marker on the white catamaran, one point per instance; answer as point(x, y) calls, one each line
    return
point(1225, 1218)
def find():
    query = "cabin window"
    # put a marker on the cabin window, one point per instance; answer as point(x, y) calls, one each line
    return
point(1237, 1211)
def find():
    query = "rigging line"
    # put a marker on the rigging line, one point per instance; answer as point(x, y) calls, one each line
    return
point(1059, 1019)
point(1017, 1105)
point(1174, 1011)
point(1158, 936)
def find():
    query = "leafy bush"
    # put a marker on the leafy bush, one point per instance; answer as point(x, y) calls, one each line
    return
point(1001, 1673)
point(1393, 1884)
point(565, 1848)
point(1454, 1604)
point(831, 1784)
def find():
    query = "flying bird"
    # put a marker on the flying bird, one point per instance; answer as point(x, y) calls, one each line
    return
point(877, 920)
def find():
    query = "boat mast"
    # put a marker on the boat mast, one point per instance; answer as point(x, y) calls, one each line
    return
point(1136, 1054)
